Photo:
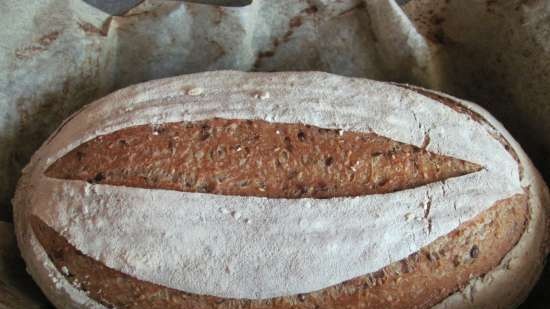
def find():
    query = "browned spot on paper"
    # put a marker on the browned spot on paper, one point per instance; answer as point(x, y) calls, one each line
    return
point(287, 35)
point(48, 39)
point(312, 9)
point(266, 54)
point(28, 52)
point(255, 158)
point(261, 56)
point(41, 45)
point(220, 13)
point(295, 21)
point(217, 49)
point(91, 29)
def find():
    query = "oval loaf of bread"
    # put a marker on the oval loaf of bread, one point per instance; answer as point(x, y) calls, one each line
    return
point(281, 190)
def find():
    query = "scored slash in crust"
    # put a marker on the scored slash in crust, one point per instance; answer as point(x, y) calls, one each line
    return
point(255, 158)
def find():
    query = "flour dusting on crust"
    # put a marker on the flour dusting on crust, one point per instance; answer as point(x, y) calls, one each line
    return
point(193, 242)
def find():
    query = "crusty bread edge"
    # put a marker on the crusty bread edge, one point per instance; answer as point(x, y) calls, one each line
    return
point(510, 282)
point(62, 294)
point(493, 290)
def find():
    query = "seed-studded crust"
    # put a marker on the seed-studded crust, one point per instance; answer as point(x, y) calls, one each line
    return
point(430, 272)
point(255, 158)
point(420, 281)
point(202, 156)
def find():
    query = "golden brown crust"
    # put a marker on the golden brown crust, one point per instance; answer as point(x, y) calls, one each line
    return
point(419, 281)
point(188, 157)
point(255, 158)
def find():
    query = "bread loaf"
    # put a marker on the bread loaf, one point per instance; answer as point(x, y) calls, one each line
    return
point(281, 190)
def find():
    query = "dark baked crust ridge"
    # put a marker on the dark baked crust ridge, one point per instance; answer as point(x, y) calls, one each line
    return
point(422, 280)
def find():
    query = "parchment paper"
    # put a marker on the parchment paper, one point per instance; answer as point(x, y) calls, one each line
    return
point(16, 287)
point(57, 55)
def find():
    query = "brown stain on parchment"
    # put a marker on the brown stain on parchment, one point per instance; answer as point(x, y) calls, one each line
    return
point(294, 23)
point(90, 29)
point(49, 38)
point(220, 50)
point(433, 23)
point(219, 15)
point(40, 45)
point(312, 9)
